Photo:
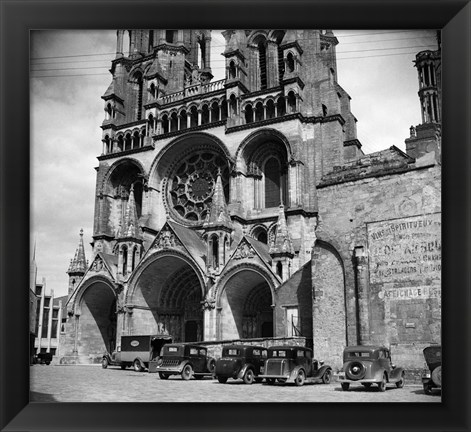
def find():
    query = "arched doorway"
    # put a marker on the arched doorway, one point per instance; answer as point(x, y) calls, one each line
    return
point(245, 307)
point(97, 324)
point(166, 299)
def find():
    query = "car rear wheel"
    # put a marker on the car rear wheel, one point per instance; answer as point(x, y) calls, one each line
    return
point(382, 384)
point(355, 370)
point(326, 378)
point(187, 372)
point(104, 363)
point(222, 380)
point(300, 378)
point(137, 365)
point(211, 366)
point(400, 383)
point(437, 376)
point(163, 376)
point(345, 386)
point(248, 376)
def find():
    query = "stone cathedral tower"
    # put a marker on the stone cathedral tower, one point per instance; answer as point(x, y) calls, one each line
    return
point(217, 202)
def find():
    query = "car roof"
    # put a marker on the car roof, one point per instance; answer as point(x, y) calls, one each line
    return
point(289, 347)
point(184, 345)
point(240, 346)
point(368, 348)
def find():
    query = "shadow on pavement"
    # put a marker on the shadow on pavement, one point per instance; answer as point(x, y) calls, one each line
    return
point(435, 392)
point(41, 397)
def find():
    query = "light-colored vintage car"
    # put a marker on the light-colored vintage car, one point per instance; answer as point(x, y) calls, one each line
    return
point(136, 351)
point(369, 365)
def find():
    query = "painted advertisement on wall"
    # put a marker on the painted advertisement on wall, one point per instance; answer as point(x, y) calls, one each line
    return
point(406, 251)
point(404, 258)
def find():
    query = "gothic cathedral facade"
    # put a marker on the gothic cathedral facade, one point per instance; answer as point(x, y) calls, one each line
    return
point(245, 208)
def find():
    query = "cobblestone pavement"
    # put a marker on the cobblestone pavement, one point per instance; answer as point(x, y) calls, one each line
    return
point(94, 384)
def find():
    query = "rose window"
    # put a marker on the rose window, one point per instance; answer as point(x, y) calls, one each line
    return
point(191, 187)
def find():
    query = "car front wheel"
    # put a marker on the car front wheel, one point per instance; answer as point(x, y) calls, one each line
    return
point(382, 384)
point(137, 366)
point(300, 378)
point(345, 386)
point(222, 380)
point(400, 383)
point(326, 378)
point(163, 376)
point(187, 372)
point(248, 376)
point(104, 363)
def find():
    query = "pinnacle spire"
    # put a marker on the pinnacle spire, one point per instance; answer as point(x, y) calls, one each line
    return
point(218, 215)
point(79, 263)
point(282, 244)
point(129, 225)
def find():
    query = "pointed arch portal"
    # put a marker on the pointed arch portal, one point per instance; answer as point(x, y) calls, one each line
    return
point(245, 307)
point(97, 323)
point(167, 299)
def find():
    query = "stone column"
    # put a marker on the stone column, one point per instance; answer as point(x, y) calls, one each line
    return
point(119, 45)
point(361, 276)
point(76, 331)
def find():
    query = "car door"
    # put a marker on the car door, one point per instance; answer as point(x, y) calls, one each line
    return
point(198, 358)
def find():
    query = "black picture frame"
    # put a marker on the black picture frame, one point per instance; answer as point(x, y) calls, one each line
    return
point(20, 16)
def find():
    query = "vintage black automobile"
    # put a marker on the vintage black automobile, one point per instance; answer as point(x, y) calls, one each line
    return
point(432, 374)
point(187, 360)
point(42, 358)
point(244, 362)
point(369, 365)
point(294, 364)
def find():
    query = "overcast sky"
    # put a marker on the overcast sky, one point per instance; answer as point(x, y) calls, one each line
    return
point(70, 73)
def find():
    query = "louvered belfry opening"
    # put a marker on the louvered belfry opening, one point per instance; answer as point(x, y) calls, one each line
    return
point(262, 58)
point(272, 183)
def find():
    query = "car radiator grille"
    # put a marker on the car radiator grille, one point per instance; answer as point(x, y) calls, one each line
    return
point(170, 363)
point(274, 367)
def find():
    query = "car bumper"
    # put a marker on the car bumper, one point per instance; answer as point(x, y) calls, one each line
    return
point(169, 370)
point(284, 377)
point(343, 379)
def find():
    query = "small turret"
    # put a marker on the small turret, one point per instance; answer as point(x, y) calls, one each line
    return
point(218, 229)
point(78, 266)
point(129, 238)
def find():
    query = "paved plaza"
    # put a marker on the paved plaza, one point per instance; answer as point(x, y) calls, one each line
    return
point(94, 384)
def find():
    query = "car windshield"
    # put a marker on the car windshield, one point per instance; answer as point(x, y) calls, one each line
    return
point(171, 350)
point(279, 354)
point(362, 354)
point(231, 352)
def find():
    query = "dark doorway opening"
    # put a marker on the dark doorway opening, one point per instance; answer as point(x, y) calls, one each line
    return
point(191, 331)
point(267, 329)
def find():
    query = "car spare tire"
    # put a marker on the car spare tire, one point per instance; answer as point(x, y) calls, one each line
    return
point(355, 371)
point(437, 376)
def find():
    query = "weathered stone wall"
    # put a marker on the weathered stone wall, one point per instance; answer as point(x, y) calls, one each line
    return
point(328, 312)
point(296, 291)
point(396, 219)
